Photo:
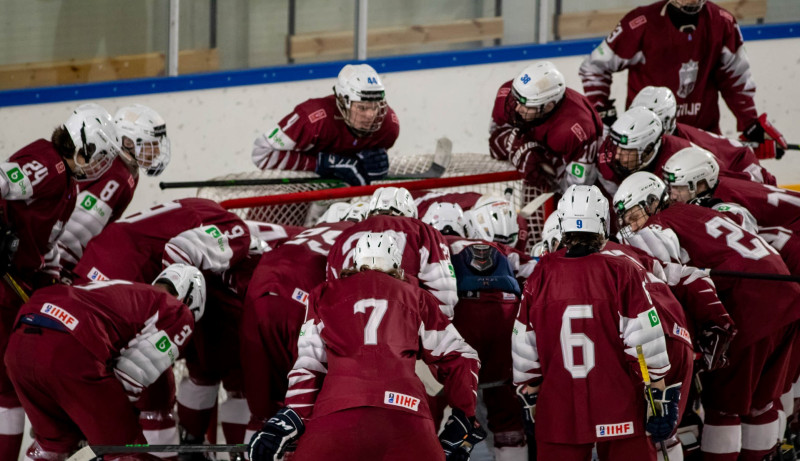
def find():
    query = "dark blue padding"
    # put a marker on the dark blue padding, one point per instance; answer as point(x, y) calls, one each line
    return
point(499, 278)
point(298, 72)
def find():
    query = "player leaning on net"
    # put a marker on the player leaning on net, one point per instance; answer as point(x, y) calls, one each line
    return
point(733, 155)
point(741, 401)
point(601, 315)
point(426, 257)
point(145, 145)
point(37, 193)
point(547, 131)
point(693, 176)
point(79, 356)
point(353, 392)
point(344, 135)
point(274, 311)
point(692, 47)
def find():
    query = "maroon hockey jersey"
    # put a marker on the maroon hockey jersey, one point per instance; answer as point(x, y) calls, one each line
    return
point(363, 335)
point(317, 126)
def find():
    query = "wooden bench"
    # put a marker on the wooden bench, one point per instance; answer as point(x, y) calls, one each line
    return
point(103, 69)
point(596, 23)
point(341, 42)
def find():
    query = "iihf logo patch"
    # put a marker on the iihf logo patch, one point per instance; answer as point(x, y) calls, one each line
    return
point(401, 400)
point(613, 430)
point(96, 275)
point(300, 296)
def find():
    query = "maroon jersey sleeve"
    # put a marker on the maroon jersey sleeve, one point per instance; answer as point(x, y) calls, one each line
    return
point(733, 70)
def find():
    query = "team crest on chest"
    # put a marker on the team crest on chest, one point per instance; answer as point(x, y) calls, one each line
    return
point(687, 76)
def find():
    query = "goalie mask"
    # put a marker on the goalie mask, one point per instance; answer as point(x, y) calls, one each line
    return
point(492, 219)
point(687, 169)
point(688, 6)
point(393, 201)
point(661, 101)
point(361, 98)
point(96, 141)
point(377, 251)
point(447, 218)
point(584, 209)
point(639, 196)
point(146, 134)
point(633, 141)
point(189, 286)
point(534, 94)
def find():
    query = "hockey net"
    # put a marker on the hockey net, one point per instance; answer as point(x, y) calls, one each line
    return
point(304, 214)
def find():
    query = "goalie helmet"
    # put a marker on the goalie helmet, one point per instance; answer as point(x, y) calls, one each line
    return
point(689, 166)
point(393, 201)
point(377, 250)
point(360, 83)
point(189, 285)
point(358, 211)
point(584, 209)
point(96, 141)
point(639, 189)
point(638, 129)
point(492, 219)
point(661, 101)
point(447, 218)
point(534, 88)
point(336, 212)
point(145, 128)
point(689, 6)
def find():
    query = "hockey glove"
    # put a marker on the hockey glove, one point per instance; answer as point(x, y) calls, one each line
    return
point(147, 358)
point(132, 388)
point(504, 141)
point(279, 431)
point(9, 244)
point(460, 435)
point(528, 407)
point(530, 160)
point(713, 342)
point(375, 162)
point(771, 143)
point(661, 425)
point(607, 113)
point(347, 168)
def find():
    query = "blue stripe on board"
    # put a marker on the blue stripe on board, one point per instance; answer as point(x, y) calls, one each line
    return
point(291, 73)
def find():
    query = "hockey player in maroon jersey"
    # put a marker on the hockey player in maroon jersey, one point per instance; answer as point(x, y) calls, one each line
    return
point(692, 176)
point(733, 155)
point(274, 310)
point(37, 195)
point(145, 145)
point(353, 393)
point(102, 343)
point(740, 400)
point(426, 257)
point(344, 135)
point(574, 345)
point(692, 47)
point(547, 131)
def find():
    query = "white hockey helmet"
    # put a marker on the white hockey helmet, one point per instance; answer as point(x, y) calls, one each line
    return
point(358, 211)
point(148, 132)
point(689, 6)
point(360, 83)
point(377, 250)
point(336, 212)
point(189, 285)
point(638, 129)
point(394, 201)
point(584, 209)
point(639, 189)
point(551, 231)
point(96, 141)
point(689, 166)
point(492, 219)
point(661, 100)
point(539, 84)
point(447, 218)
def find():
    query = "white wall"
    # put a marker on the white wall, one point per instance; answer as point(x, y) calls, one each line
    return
point(212, 130)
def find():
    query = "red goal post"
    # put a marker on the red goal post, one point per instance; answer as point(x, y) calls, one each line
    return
point(292, 208)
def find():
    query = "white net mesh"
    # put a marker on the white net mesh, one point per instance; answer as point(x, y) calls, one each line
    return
point(296, 214)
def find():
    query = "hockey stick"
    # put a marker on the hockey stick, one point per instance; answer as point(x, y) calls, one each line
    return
point(90, 452)
point(753, 275)
point(648, 391)
point(788, 146)
point(441, 160)
point(15, 287)
point(535, 204)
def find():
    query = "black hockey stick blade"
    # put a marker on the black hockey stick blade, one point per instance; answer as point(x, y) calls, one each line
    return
point(90, 452)
point(754, 275)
